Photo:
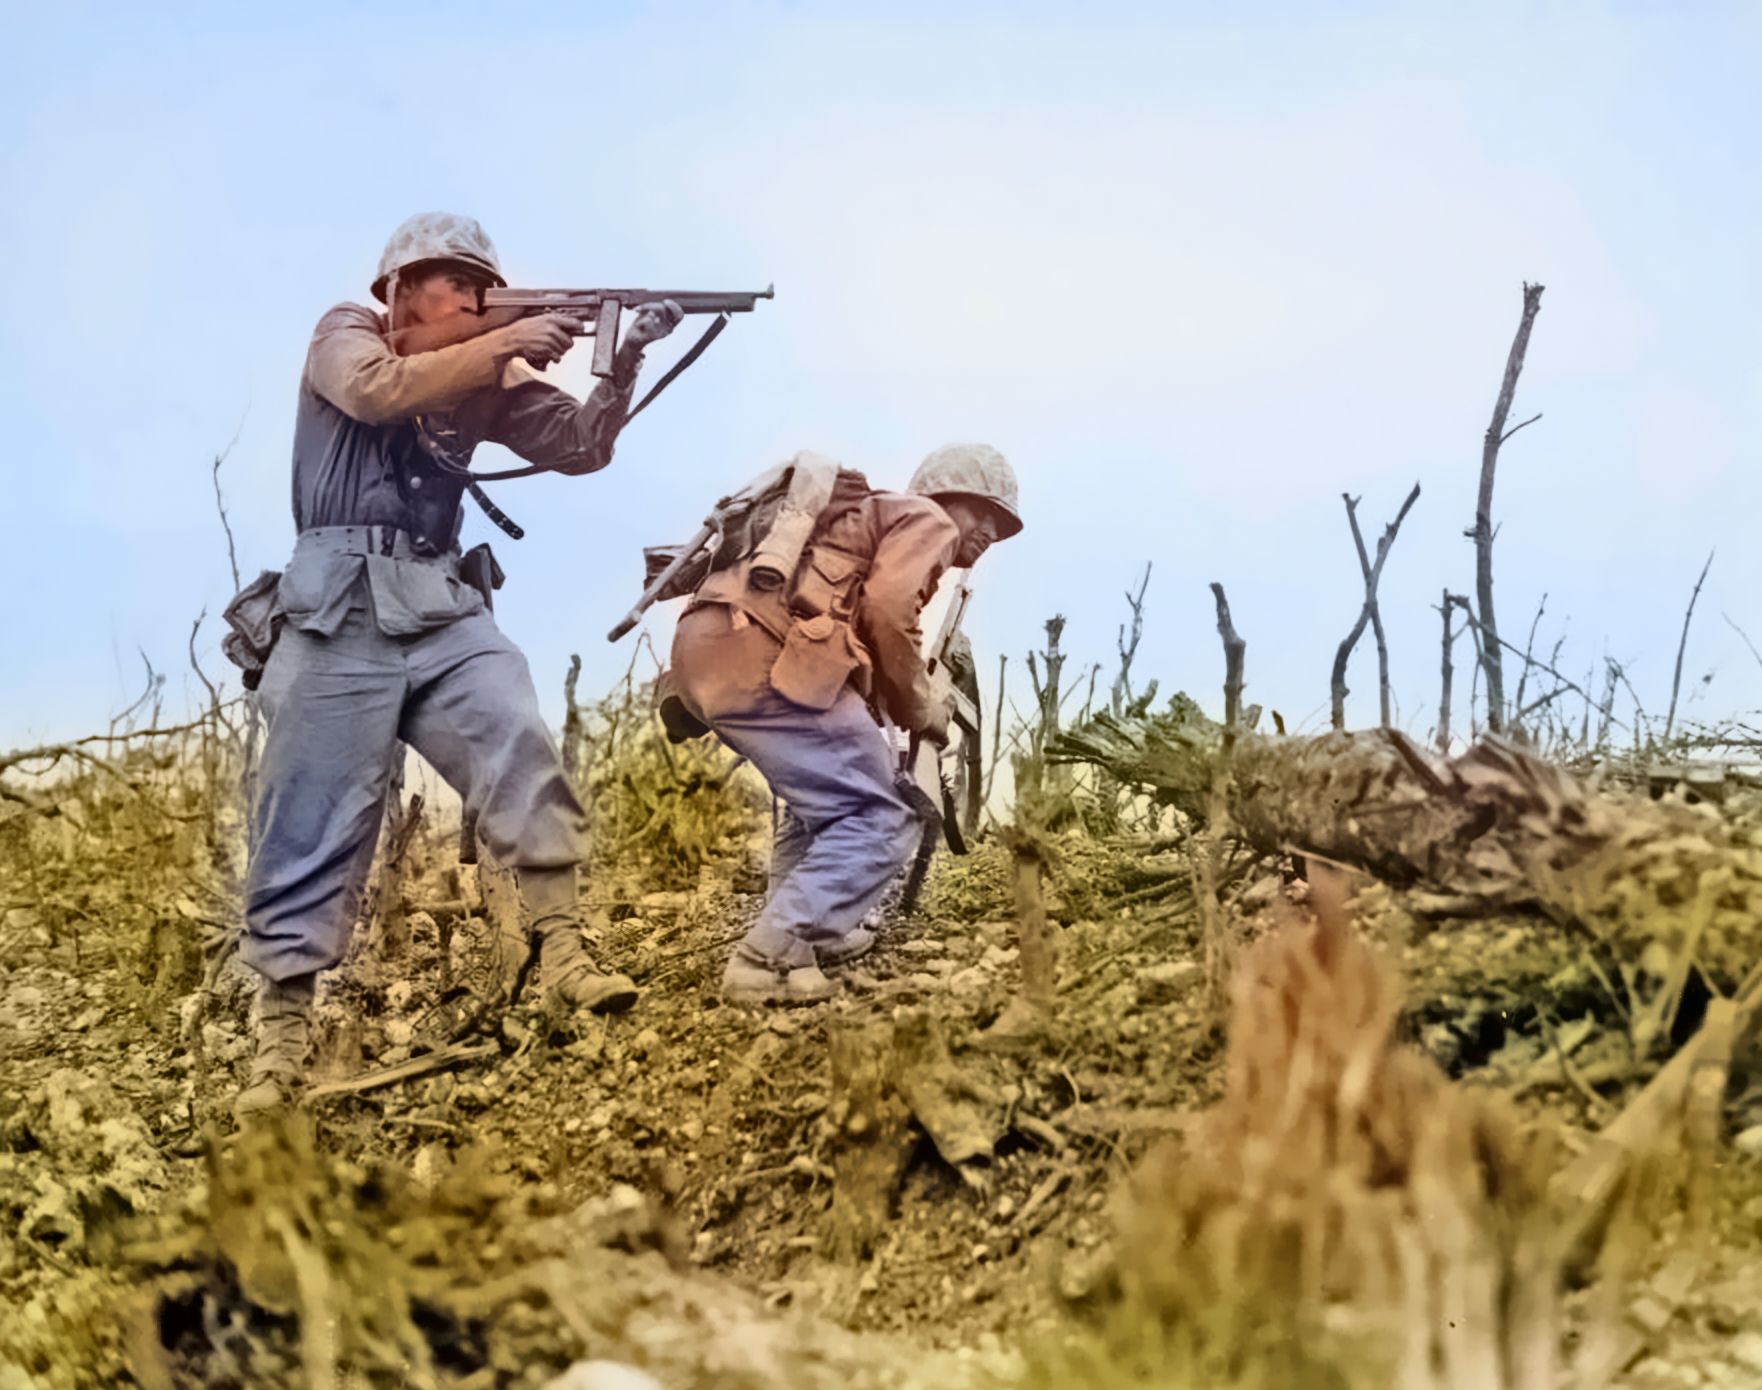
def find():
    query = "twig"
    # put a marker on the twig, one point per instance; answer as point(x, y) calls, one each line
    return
point(1682, 645)
point(1621, 675)
point(996, 730)
point(1599, 1107)
point(196, 666)
point(1515, 428)
point(232, 554)
point(456, 1055)
point(1475, 624)
point(1529, 647)
point(1746, 636)
point(1121, 695)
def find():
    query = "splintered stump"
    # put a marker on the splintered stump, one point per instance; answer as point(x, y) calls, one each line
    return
point(1026, 1016)
point(873, 1137)
point(892, 1083)
point(170, 966)
point(397, 871)
point(1344, 1215)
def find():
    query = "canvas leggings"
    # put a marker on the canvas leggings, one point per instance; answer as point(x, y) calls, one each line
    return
point(462, 696)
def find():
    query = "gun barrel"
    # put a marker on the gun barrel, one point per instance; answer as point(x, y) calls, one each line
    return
point(588, 301)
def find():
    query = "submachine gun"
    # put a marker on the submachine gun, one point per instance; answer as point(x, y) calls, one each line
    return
point(598, 309)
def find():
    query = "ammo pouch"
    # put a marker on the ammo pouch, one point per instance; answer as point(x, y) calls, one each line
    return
point(827, 581)
point(819, 650)
point(255, 617)
point(478, 568)
point(816, 662)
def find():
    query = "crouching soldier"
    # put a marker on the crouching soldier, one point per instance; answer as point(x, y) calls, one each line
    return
point(382, 639)
point(786, 675)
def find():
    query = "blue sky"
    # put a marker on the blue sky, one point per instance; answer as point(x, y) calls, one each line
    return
point(1195, 269)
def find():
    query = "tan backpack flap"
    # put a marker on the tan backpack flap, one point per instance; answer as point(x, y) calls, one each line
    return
point(827, 582)
point(816, 662)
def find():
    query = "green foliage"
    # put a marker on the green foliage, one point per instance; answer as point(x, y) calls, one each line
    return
point(657, 809)
point(132, 856)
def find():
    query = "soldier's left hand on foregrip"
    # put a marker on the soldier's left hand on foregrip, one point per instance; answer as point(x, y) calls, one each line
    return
point(655, 321)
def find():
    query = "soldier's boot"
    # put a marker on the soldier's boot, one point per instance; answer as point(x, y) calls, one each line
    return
point(567, 973)
point(754, 979)
point(284, 1031)
point(852, 946)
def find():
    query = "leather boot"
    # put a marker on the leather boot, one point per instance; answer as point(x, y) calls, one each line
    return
point(284, 1025)
point(852, 946)
point(752, 979)
point(566, 972)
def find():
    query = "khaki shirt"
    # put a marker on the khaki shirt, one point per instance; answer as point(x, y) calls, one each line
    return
point(907, 543)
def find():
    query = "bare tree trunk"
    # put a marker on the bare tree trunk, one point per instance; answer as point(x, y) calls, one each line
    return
point(1682, 645)
point(1449, 673)
point(1373, 573)
point(572, 723)
point(1046, 691)
point(1234, 649)
point(1492, 660)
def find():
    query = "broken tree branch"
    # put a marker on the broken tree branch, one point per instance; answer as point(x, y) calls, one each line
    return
point(1121, 695)
point(1372, 573)
point(1475, 625)
point(1234, 648)
point(1682, 645)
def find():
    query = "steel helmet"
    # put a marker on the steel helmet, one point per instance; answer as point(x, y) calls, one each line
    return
point(974, 470)
point(437, 236)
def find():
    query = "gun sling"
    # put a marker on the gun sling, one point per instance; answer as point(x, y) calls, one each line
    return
point(474, 481)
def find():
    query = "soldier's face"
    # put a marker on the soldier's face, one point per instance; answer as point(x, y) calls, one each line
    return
point(978, 525)
point(441, 293)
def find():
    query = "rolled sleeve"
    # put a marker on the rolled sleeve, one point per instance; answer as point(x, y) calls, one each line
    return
point(352, 366)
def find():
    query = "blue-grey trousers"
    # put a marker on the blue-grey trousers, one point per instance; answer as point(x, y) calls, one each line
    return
point(462, 696)
point(845, 831)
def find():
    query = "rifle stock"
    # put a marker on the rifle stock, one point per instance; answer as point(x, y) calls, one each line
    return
point(690, 552)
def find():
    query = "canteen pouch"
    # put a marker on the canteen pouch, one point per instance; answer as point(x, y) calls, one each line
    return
point(826, 582)
point(816, 662)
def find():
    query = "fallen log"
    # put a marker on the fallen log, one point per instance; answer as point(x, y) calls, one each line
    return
point(1495, 826)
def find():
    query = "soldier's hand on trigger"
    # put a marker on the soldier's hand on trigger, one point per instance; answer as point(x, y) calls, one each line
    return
point(655, 322)
point(542, 339)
